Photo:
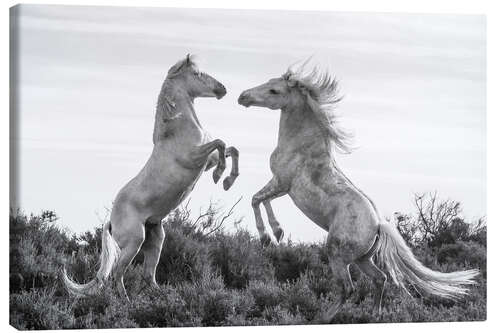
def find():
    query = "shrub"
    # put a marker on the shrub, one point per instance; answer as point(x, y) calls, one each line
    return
point(212, 277)
point(291, 260)
point(278, 315)
point(182, 257)
point(208, 298)
point(160, 308)
point(320, 281)
point(238, 258)
point(37, 249)
point(37, 310)
point(265, 295)
point(465, 254)
point(301, 299)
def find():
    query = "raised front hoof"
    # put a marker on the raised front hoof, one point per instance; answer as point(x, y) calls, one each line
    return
point(265, 240)
point(216, 175)
point(228, 182)
point(278, 234)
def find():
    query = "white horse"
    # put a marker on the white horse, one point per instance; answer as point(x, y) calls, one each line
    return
point(182, 151)
point(304, 167)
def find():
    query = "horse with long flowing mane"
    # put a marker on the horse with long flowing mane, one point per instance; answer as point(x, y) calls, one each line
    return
point(304, 167)
point(182, 151)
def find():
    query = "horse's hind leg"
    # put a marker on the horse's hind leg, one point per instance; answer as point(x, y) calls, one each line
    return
point(151, 249)
point(129, 237)
point(229, 180)
point(203, 152)
point(341, 252)
point(379, 278)
point(350, 277)
point(342, 280)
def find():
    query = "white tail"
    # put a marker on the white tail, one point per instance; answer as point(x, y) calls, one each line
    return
point(397, 259)
point(109, 255)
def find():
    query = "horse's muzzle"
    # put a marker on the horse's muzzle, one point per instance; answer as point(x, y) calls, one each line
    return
point(220, 91)
point(244, 99)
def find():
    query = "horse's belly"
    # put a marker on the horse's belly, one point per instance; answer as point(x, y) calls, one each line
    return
point(171, 200)
point(160, 188)
point(177, 189)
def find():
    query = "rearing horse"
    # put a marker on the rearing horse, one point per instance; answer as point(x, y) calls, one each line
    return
point(304, 167)
point(182, 151)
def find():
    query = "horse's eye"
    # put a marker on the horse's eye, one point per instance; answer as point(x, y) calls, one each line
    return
point(274, 91)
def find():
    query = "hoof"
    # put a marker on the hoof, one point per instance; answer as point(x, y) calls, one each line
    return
point(328, 317)
point(322, 320)
point(377, 312)
point(216, 175)
point(278, 234)
point(326, 320)
point(228, 182)
point(265, 240)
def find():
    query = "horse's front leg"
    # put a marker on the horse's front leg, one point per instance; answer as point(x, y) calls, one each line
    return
point(229, 180)
point(213, 160)
point(202, 153)
point(234, 154)
point(268, 192)
point(273, 222)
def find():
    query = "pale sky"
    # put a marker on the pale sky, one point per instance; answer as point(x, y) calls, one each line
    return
point(414, 91)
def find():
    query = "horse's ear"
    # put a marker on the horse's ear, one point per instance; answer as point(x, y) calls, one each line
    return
point(188, 59)
point(291, 83)
point(176, 68)
point(287, 75)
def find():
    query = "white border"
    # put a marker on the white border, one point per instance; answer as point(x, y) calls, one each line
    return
point(422, 6)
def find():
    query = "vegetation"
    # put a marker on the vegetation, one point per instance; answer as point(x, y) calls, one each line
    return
point(210, 276)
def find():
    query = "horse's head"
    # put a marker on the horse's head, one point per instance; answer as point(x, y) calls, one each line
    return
point(314, 92)
point(277, 93)
point(195, 82)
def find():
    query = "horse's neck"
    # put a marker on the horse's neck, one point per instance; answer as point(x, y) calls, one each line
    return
point(300, 127)
point(184, 120)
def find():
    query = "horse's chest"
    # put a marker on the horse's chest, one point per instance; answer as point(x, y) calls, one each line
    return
point(284, 166)
point(277, 161)
point(204, 137)
point(311, 201)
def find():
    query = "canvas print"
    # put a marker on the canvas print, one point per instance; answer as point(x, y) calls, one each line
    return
point(220, 167)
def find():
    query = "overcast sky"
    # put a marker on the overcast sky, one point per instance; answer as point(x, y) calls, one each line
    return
point(414, 87)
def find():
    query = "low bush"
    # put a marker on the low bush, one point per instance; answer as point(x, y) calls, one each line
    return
point(212, 277)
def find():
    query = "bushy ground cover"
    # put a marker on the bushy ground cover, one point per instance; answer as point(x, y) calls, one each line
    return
point(209, 276)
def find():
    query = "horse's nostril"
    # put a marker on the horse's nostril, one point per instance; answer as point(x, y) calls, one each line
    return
point(243, 99)
point(220, 91)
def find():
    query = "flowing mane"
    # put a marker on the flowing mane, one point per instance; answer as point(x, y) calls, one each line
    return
point(165, 104)
point(166, 110)
point(321, 92)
